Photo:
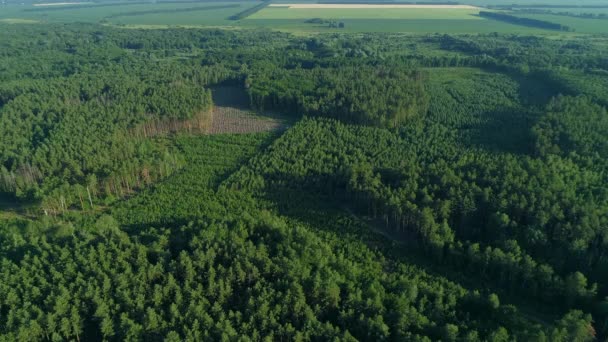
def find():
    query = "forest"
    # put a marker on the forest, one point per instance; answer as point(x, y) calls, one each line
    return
point(426, 187)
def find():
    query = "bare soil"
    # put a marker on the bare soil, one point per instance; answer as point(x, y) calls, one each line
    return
point(238, 120)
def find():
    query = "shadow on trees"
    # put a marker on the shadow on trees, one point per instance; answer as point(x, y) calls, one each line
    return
point(230, 95)
point(508, 131)
point(325, 205)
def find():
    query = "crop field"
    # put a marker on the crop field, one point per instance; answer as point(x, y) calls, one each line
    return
point(528, 3)
point(365, 12)
point(295, 18)
point(167, 14)
point(395, 25)
point(17, 21)
point(580, 25)
point(380, 18)
point(211, 17)
point(577, 10)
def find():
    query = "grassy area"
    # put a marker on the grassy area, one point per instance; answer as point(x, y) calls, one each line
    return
point(537, 2)
point(413, 20)
point(578, 10)
point(395, 25)
point(110, 14)
point(580, 25)
point(360, 13)
point(213, 17)
point(17, 21)
point(409, 20)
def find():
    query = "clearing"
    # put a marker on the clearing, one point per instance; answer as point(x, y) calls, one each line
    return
point(236, 120)
point(231, 114)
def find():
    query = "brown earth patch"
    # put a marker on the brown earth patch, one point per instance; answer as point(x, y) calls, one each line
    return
point(237, 120)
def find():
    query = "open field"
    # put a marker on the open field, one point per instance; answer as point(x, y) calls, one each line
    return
point(183, 19)
point(580, 25)
point(283, 17)
point(380, 18)
point(17, 21)
point(373, 12)
point(577, 10)
point(61, 4)
point(415, 26)
point(193, 14)
point(370, 6)
point(537, 2)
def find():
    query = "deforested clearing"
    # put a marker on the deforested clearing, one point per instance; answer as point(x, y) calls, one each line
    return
point(236, 120)
point(367, 6)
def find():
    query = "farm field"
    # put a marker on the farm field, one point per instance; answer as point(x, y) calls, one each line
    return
point(278, 17)
point(373, 12)
point(198, 14)
point(577, 10)
point(380, 18)
point(394, 25)
point(580, 25)
point(212, 17)
point(536, 2)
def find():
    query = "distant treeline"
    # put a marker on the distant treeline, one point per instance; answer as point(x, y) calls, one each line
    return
point(244, 14)
point(547, 6)
point(116, 4)
point(329, 22)
point(385, 2)
point(565, 14)
point(176, 10)
point(525, 21)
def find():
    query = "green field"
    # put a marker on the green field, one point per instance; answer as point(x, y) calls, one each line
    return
point(216, 14)
point(395, 25)
point(372, 13)
point(577, 10)
point(537, 2)
point(413, 20)
point(198, 17)
point(212, 17)
point(580, 25)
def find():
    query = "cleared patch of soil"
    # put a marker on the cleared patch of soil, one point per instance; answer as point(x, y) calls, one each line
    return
point(237, 120)
point(231, 114)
